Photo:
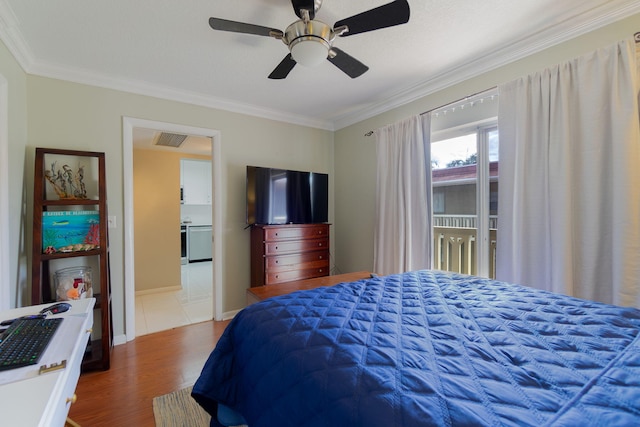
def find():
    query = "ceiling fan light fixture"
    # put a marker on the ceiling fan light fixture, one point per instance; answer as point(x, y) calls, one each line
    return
point(309, 51)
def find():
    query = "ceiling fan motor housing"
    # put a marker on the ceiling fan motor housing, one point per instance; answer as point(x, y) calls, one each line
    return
point(309, 42)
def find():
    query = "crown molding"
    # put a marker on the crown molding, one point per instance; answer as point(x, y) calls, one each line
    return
point(172, 94)
point(590, 21)
point(12, 38)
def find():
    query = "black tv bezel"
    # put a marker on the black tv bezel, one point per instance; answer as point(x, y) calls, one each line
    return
point(247, 201)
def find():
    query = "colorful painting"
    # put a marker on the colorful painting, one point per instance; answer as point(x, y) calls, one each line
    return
point(70, 231)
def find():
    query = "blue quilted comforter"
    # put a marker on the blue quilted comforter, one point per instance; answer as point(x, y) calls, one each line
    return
point(427, 348)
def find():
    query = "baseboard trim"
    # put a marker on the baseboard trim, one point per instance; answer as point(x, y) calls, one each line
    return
point(159, 290)
point(119, 339)
point(230, 314)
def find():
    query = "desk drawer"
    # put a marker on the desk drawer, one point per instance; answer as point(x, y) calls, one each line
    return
point(63, 398)
point(305, 260)
point(293, 246)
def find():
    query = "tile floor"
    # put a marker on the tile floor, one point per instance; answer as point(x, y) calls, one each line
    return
point(166, 310)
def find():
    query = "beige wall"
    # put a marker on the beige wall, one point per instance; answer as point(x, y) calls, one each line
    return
point(355, 154)
point(156, 223)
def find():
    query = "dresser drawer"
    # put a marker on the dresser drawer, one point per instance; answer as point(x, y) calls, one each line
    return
point(287, 276)
point(293, 246)
point(296, 261)
point(294, 233)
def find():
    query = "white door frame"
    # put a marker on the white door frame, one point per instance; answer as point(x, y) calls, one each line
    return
point(128, 124)
point(5, 259)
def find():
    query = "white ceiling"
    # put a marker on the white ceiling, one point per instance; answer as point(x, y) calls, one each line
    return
point(165, 48)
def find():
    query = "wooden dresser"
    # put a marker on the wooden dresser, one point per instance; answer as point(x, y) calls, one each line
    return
point(282, 253)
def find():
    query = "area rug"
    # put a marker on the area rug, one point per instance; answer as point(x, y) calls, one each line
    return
point(178, 409)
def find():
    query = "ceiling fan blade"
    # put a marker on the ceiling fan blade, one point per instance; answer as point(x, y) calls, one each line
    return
point(347, 63)
point(283, 68)
point(242, 27)
point(388, 15)
point(311, 5)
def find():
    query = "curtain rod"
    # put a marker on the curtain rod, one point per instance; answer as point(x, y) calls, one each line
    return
point(449, 103)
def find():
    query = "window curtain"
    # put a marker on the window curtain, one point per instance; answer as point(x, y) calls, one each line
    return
point(403, 236)
point(569, 200)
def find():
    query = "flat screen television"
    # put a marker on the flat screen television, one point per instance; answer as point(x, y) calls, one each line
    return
point(280, 196)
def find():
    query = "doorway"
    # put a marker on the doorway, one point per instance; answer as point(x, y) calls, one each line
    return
point(5, 278)
point(129, 128)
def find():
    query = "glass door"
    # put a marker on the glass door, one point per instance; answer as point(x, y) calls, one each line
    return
point(465, 201)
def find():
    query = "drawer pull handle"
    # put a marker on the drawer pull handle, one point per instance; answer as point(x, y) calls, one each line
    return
point(320, 244)
point(320, 257)
point(72, 399)
point(52, 367)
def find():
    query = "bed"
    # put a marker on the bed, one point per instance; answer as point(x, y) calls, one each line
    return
point(426, 348)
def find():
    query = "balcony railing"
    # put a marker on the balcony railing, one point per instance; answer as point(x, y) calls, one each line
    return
point(462, 221)
point(455, 243)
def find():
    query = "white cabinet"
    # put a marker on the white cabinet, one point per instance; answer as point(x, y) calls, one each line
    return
point(195, 179)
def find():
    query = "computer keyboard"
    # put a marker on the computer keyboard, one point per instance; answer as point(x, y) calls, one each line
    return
point(24, 342)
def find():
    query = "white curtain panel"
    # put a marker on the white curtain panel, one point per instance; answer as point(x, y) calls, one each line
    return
point(402, 240)
point(569, 199)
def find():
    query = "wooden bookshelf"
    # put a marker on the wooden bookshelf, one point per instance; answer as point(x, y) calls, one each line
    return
point(98, 353)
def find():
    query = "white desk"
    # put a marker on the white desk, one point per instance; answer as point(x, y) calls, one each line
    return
point(29, 399)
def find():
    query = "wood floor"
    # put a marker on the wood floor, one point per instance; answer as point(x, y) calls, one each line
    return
point(149, 366)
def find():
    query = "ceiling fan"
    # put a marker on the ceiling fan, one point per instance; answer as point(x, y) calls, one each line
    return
point(311, 41)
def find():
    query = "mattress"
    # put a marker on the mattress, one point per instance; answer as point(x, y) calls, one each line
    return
point(427, 348)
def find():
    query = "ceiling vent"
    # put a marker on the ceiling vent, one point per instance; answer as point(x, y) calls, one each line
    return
point(170, 139)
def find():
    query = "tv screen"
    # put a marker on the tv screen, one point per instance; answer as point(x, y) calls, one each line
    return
point(280, 196)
